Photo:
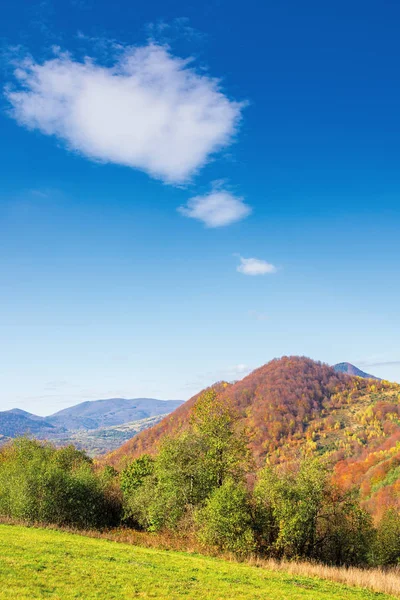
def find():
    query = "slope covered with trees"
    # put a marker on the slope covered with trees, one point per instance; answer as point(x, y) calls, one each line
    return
point(276, 401)
point(203, 487)
point(293, 406)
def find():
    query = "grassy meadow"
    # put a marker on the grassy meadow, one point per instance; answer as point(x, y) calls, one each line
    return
point(44, 563)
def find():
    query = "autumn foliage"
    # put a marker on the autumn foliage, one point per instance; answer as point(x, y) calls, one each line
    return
point(294, 406)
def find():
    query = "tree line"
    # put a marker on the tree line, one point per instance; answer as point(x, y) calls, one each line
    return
point(203, 484)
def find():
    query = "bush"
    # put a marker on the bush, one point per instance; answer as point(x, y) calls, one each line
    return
point(302, 515)
point(164, 492)
point(386, 550)
point(39, 483)
point(225, 521)
point(293, 500)
point(345, 532)
point(132, 477)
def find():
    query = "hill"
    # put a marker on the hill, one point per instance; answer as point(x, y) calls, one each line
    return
point(113, 411)
point(293, 405)
point(18, 422)
point(43, 563)
point(276, 402)
point(92, 426)
point(350, 369)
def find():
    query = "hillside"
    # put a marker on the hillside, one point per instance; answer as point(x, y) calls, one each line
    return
point(106, 439)
point(276, 402)
point(294, 404)
point(41, 563)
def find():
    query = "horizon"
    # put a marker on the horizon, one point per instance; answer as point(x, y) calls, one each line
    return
point(183, 201)
point(74, 404)
point(16, 408)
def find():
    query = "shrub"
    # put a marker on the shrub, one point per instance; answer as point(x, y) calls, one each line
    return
point(133, 475)
point(161, 493)
point(225, 521)
point(386, 550)
point(293, 498)
point(41, 483)
point(345, 531)
point(302, 515)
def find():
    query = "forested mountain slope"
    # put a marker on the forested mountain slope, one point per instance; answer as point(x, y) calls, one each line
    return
point(276, 401)
point(294, 405)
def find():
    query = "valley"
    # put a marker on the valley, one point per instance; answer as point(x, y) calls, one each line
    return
point(97, 426)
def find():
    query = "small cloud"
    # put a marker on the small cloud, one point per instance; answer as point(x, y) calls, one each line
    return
point(216, 209)
point(240, 370)
point(145, 108)
point(255, 266)
point(39, 194)
point(258, 316)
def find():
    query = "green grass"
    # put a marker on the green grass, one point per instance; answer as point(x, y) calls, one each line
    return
point(42, 563)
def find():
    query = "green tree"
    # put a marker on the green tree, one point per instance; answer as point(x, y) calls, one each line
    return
point(39, 482)
point(225, 446)
point(188, 467)
point(133, 475)
point(225, 522)
point(386, 550)
point(305, 516)
point(293, 498)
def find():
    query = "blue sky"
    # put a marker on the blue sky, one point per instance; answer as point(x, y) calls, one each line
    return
point(137, 185)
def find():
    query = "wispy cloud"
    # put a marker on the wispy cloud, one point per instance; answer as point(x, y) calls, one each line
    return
point(149, 110)
point(255, 266)
point(216, 209)
point(258, 316)
point(387, 363)
point(240, 370)
point(40, 193)
point(164, 31)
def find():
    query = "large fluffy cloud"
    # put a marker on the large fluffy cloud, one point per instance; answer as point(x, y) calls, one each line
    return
point(150, 110)
point(216, 209)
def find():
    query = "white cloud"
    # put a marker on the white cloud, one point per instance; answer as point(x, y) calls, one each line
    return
point(255, 266)
point(240, 370)
point(216, 209)
point(150, 110)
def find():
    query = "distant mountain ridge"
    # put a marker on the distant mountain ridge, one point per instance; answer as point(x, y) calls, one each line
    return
point(16, 422)
point(94, 414)
point(90, 416)
point(349, 369)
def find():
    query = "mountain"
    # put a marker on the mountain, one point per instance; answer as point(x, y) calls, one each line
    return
point(350, 369)
point(18, 422)
point(113, 411)
point(24, 414)
point(90, 425)
point(276, 401)
point(294, 405)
